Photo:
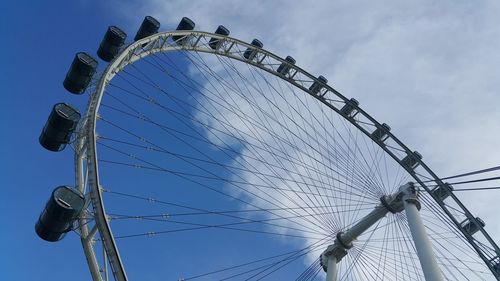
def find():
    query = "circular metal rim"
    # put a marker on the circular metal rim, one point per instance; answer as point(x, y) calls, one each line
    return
point(159, 42)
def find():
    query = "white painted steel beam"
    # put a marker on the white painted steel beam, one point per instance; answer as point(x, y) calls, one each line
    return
point(331, 273)
point(423, 245)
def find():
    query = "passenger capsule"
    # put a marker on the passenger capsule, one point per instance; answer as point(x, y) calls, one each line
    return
point(284, 67)
point(80, 73)
point(349, 108)
point(59, 127)
point(250, 53)
point(380, 134)
point(148, 27)
point(113, 40)
point(214, 42)
point(412, 160)
point(442, 191)
point(63, 208)
point(471, 226)
point(318, 85)
point(185, 24)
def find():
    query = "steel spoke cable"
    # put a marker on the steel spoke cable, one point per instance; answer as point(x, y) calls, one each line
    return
point(202, 211)
point(439, 247)
point(278, 265)
point(155, 233)
point(411, 254)
point(282, 217)
point(194, 137)
point(115, 216)
point(371, 183)
point(371, 256)
point(298, 101)
point(438, 213)
point(245, 220)
point(446, 248)
point(355, 259)
point(154, 167)
point(319, 144)
point(368, 172)
point(390, 269)
point(487, 170)
point(181, 175)
point(215, 163)
point(288, 259)
point(275, 118)
point(452, 228)
point(154, 200)
point(189, 175)
point(477, 188)
point(404, 230)
point(310, 271)
point(305, 107)
point(292, 119)
point(253, 262)
point(434, 248)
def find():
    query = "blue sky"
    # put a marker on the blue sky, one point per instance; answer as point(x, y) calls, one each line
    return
point(44, 38)
point(428, 69)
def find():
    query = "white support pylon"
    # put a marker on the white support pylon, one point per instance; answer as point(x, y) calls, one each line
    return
point(331, 273)
point(405, 199)
point(425, 253)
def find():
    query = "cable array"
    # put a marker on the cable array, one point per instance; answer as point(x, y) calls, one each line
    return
point(247, 160)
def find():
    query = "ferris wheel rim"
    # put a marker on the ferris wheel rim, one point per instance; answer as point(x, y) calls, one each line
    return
point(159, 42)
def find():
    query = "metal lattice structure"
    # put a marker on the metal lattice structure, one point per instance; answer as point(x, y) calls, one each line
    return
point(86, 159)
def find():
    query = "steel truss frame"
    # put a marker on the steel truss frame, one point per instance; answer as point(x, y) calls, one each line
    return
point(86, 165)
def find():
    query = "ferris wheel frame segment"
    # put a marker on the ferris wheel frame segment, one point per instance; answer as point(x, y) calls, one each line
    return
point(269, 62)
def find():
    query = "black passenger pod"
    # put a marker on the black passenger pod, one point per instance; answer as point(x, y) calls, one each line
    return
point(214, 42)
point(317, 86)
point(381, 132)
point(148, 27)
point(185, 24)
point(59, 127)
point(57, 218)
point(250, 53)
point(80, 73)
point(113, 40)
point(284, 67)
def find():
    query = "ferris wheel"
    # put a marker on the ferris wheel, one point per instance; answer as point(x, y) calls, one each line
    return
point(203, 157)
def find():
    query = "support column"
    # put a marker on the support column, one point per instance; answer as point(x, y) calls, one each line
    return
point(363, 225)
point(405, 199)
point(335, 252)
point(420, 238)
point(331, 273)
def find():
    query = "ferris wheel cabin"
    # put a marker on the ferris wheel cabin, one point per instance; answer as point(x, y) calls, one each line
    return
point(214, 42)
point(59, 127)
point(185, 24)
point(61, 211)
point(148, 27)
point(113, 40)
point(80, 73)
